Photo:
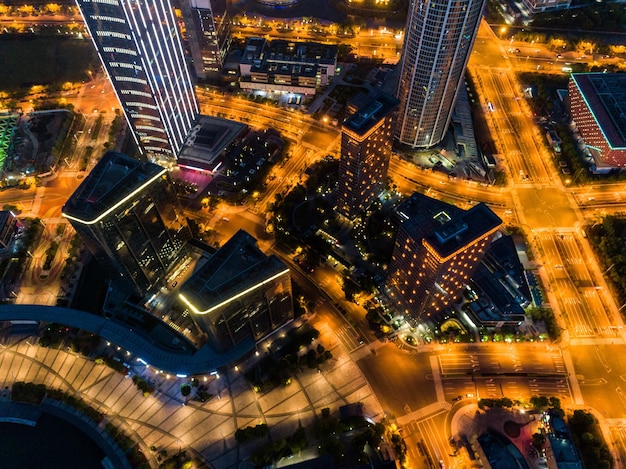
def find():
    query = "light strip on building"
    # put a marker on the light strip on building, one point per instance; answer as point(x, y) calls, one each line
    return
point(122, 201)
point(592, 111)
point(433, 250)
point(232, 298)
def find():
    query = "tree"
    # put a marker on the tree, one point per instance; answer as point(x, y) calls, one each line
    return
point(538, 440)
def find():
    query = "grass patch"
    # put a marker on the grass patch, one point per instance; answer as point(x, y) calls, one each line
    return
point(31, 60)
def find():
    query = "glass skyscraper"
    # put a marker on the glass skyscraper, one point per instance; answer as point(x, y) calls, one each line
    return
point(439, 35)
point(127, 213)
point(140, 47)
point(208, 35)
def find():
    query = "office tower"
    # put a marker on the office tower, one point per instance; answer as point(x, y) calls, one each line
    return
point(128, 215)
point(597, 104)
point(437, 249)
point(208, 29)
point(140, 47)
point(439, 35)
point(366, 138)
point(239, 294)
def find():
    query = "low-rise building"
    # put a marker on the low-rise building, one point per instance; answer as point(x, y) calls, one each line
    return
point(209, 142)
point(286, 66)
point(597, 105)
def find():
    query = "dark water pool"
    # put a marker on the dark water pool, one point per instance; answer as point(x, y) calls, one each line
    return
point(52, 444)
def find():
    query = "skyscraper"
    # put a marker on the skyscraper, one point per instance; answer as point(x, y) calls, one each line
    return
point(366, 138)
point(437, 249)
point(208, 34)
point(439, 35)
point(140, 47)
point(128, 215)
point(239, 294)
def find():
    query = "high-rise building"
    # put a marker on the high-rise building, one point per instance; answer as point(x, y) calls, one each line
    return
point(140, 47)
point(366, 139)
point(439, 35)
point(437, 249)
point(239, 294)
point(208, 28)
point(128, 215)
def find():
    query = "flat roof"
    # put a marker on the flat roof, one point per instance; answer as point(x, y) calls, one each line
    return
point(285, 68)
point(459, 231)
point(207, 140)
point(281, 50)
point(417, 214)
point(605, 95)
point(115, 178)
point(235, 268)
point(370, 109)
point(445, 227)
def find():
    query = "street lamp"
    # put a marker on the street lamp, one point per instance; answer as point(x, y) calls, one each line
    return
point(325, 120)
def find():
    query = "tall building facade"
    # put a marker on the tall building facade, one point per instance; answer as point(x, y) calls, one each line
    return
point(597, 104)
point(439, 35)
point(127, 213)
point(437, 249)
point(366, 140)
point(209, 35)
point(140, 47)
point(239, 294)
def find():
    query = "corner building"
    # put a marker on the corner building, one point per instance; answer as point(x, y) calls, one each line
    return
point(128, 215)
point(366, 140)
point(239, 294)
point(439, 36)
point(140, 47)
point(437, 250)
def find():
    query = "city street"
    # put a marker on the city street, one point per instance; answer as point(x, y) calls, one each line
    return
point(417, 386)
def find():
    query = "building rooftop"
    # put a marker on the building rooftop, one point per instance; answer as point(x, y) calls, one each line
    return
point(208, 140)
point(460, 230)
point(444, 227)
point(370, 109)
point(280, 50)
point(285, 68)
point(115, 178)
point(605, 94)
point(417, 214)
point(237, 267)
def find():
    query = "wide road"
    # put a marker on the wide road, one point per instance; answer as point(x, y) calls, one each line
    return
point(535, 191)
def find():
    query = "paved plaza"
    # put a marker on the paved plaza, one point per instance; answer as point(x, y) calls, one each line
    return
point(204, 429)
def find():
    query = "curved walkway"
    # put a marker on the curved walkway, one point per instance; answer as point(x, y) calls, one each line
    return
point(202, 361)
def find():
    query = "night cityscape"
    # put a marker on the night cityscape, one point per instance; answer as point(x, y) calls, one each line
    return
point(313, 234)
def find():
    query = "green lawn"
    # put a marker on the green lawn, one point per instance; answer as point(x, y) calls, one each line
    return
point(28, 60)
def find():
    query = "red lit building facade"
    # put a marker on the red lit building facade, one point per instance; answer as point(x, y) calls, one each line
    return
point(597, 104)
